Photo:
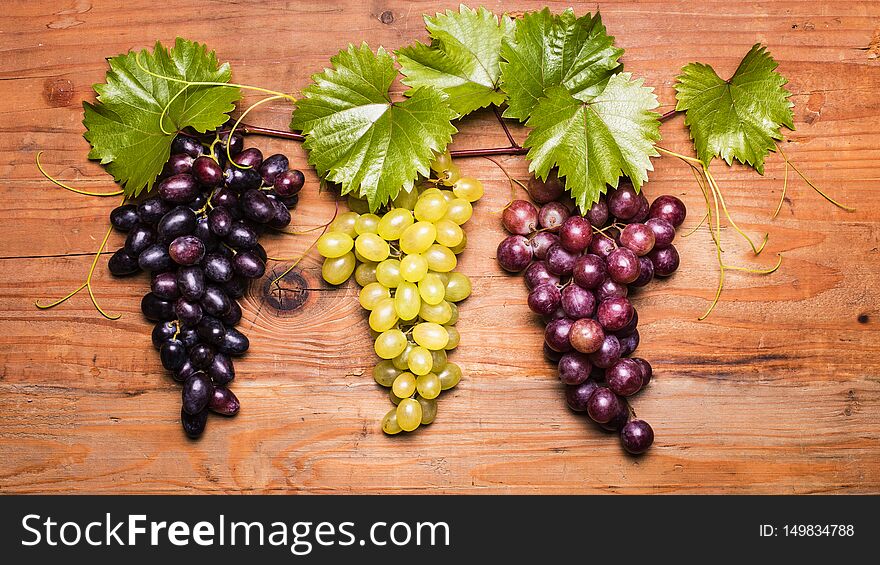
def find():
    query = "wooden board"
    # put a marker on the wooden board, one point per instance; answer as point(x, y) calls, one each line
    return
point(777, 392)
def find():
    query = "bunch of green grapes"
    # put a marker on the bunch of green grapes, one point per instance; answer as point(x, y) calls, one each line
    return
point(405, 261)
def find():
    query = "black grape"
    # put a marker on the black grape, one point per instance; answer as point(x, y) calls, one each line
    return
point(272, 166)
point(155, 258)
point(241, 180)
point(173, 354)
point(234, 342)
point(193, 424)
point(196, 393)
point(179, 221)
point(151, 210)
point(206, 171)
point(191, 282)
point(178, 189)
point(156, 309)
point(121, 263)
point(186, 144)
point(289, 183)
point(124, 217)
point(139, 238)
point(197, 237)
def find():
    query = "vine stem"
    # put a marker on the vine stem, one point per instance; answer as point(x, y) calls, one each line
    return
point(238, 124)
point(268, 132)
point(513, 149)
point(57, 182)
point(708, 185)
point(810, 183)
point(87, 284)
point(784, 188)
point(501, 121)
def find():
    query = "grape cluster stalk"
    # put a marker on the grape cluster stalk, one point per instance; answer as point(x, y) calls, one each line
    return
point(198, 238)
point(580, 270)
point(405, 260)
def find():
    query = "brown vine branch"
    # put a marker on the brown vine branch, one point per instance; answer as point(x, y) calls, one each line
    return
point(513, 149)
point(501, 121)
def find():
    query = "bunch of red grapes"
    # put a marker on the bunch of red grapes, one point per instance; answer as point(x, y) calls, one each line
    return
point(198, 238)
point(580, 270)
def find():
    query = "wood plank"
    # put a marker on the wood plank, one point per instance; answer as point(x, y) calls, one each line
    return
point(777, 392)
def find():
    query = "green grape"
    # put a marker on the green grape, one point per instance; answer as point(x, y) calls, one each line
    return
point(384, 373)
point(426, 191)
point(430, 335)
point(337, 270)
point(367, 223)
point(458, 287)
point(447, 195)
point(395, 400)
point(439, 360)
point(344, 223)
point(407, 301)
point(459, 211)
point(429, 410)
point(440, 258)
point(428, 386)
point(384, 316)
point(448, 233)
point(334, 244)
point(404, 385)
point(438, 313)
point(359, 257)
point(390, 344)
point(432, 289)
point(441, 162)
point(420, 361)
point(454, 337)
point(430, 207)
point(358, 205)
point(453, 318)
point(388, 273)
point(460, 247)
point(468, 188)
point(444, 277)
point(389, 423)
point(449, 175)
point(418, 237)
point(400, 361)
point(372, 247)
point(413, 268)
point(365, 273)
point(372, 294)
point(449, 376)
point(406, 199)
point(409, 414)
point(393, 223)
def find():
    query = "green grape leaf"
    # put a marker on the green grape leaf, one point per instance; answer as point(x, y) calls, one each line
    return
point(463, 59)
point(738, 118)
point(549, 50)
point(123, 127)
point(357, 137)
point(594, 143)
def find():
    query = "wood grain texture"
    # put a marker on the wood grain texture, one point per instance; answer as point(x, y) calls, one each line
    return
point(777, 392)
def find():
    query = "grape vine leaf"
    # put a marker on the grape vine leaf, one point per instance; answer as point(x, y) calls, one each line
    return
point(123, 127)
point(738, 118)
point(595, 142)
point(463, 59)
point(357, 137)
point(548, 50)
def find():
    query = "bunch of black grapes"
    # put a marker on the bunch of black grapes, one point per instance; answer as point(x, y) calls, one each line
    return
point(198, 238)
